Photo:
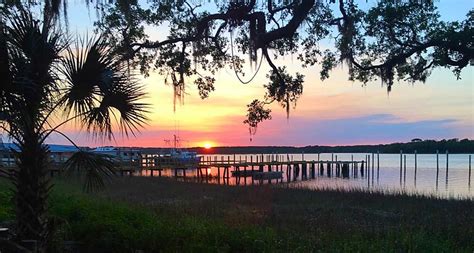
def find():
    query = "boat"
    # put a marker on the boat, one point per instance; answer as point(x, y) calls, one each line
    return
point(122, 154)
point(178, 155)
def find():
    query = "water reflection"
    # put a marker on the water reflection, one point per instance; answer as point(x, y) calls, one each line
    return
point(444, 176)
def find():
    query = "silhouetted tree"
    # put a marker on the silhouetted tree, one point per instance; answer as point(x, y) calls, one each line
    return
point(46, 83)
point(387, 40)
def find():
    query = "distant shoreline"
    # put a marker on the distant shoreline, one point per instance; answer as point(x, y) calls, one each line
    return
point(453, 146)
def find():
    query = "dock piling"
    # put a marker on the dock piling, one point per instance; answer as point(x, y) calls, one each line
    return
point(416, 165)
point(373, 167)
point(437, 168)
point(447, 167)
point(378, 165)
point(404, 169)
point(469, 180)
point(401, 160)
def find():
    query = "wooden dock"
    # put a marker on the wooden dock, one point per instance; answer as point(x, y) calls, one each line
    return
point(275, 170)
point(280, 168)
point(226, 168)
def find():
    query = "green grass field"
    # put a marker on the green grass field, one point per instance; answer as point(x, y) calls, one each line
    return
point(163, 215)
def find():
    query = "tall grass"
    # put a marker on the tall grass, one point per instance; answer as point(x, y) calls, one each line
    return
point(162, 215)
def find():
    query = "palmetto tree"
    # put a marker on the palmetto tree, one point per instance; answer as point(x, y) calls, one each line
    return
point(45, 83)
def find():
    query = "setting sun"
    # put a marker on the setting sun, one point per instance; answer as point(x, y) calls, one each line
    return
point(207, 145)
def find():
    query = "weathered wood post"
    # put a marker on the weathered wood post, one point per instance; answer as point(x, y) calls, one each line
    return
point(296, 171)
point(365, 165)
point(368, 166)
point(218, 168)
point(416, 166)
point(362, 168)
point(447, 167)
point(378, 165)
point(416, 160)
point(304, 168)
point(328, 169)
point(401, 160)
point(251, 162)
point(245, 174)
point(373, 166)
point(469, 180)
point(251, 167)
point(227, 169)
point(373, 163)
point(288, 172)
point(313, 169)
point(437, 168)
point(404, 169)
point(345, 170)
point(352, 163)
point(356, 168)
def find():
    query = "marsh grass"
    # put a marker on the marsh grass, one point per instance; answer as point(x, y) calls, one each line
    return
point(157, 214)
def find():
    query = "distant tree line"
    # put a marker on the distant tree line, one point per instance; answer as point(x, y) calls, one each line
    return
point(421, 146)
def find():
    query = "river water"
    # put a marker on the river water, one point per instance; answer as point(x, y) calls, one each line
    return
point(454, 184)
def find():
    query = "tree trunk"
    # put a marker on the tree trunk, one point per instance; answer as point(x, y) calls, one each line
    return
point(32, 188)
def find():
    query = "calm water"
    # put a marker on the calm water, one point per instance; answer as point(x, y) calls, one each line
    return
point(455, 185)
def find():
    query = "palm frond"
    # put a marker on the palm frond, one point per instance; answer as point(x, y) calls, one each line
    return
point(97, 85)
point(33, 53)
point(5, 74)
point(98, 122)
point(82, 71)
point(124, 97)
point(94, 168)
point(38, 42)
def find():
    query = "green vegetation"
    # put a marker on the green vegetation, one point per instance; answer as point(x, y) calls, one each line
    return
point(154, 214)
point(49, 79)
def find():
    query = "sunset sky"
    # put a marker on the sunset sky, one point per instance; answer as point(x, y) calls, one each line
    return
point(333, 112)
